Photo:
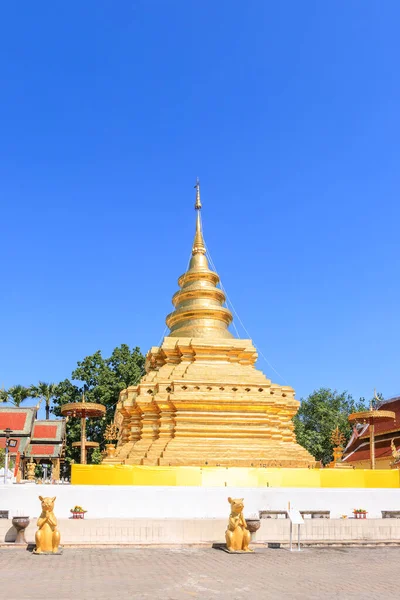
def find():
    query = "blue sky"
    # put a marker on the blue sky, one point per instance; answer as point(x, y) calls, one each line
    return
point(289, 114)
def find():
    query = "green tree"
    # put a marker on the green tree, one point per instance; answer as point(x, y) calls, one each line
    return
point(44, 391)
point(101, 380)
point(96, 456)
point(318, 416)
point(2, 457)
point(15, 395)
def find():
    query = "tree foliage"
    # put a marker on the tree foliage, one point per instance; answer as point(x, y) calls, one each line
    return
point(96, 457)
point(44, 391)
point(101, 380)
point(318, 416)
point(15, 395)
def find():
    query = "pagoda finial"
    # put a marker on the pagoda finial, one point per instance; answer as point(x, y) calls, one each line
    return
point(199, 310)
point(197, 206)
point(198, 244)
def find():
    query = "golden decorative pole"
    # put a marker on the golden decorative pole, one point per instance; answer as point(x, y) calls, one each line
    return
point(372, 443)
point(83, 410)
point(83, 436)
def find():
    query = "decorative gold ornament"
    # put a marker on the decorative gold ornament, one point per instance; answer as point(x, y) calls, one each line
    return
point(237, 535)
point(111, 432)
point(395, 453)
point(337, 437)
point(202, 402)
point(30, 470)
point(47, 537)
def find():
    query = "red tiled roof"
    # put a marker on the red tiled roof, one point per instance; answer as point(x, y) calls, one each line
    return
point(14, 449)
point(21, 444)
point(358, 447)
point(47, 436)
point(387, 425)
point(47, 449)
point(15, 421)
point(20, 420)
point(48, 430)
point(45, 432)
point(382, 450)
point(43, 450)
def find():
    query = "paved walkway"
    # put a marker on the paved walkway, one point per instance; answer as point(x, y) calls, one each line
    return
point(177, 574)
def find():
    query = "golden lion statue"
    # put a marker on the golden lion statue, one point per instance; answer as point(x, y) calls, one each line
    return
point(237, 535)
point(47, 537)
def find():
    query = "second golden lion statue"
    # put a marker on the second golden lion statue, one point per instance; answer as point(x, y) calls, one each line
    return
point(47, 537)
point(237, 535)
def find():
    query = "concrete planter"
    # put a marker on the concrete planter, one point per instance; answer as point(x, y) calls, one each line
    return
point(20, 524)
point(253, 525)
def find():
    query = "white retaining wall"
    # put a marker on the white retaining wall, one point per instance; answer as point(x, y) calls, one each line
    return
point(207, 531)
point(151, 502)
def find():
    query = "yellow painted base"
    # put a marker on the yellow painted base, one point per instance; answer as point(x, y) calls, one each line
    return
point(233, 477)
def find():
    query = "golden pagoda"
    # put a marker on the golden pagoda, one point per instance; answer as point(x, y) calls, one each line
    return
point(202, 401)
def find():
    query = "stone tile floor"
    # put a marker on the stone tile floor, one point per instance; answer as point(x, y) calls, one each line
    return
point(184, 573)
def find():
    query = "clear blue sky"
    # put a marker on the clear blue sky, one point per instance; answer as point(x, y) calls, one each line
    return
point(289, 114)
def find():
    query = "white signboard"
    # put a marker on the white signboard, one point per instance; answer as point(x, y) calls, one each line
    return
point(295, 517)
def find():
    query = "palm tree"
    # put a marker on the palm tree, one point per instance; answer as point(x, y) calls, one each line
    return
point(44, 391)
point(16, 394)
point(3, 395)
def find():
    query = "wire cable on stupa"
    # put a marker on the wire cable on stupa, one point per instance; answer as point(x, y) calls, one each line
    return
point(240, 320)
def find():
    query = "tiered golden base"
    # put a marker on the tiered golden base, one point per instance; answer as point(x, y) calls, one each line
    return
point(202, 402)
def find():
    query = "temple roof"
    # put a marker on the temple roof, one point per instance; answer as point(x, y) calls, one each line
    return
point(358, 447)
point(382, 449)
point(48, 430)
point(43, 450)
point(198, 304)
point(38, 438)
point(19, 420)
point(20, 447)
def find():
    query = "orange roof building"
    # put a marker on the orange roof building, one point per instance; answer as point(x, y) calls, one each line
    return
point(41, 441)
point(357, 451)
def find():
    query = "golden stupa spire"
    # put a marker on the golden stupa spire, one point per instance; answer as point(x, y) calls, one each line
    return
point(198, 304)
point(198, 244)
point(197, 205)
